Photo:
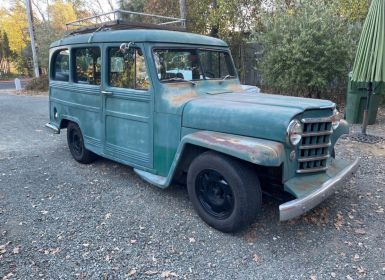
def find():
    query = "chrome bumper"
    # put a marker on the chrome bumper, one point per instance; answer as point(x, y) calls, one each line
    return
point(53, 128)
point(299, 206)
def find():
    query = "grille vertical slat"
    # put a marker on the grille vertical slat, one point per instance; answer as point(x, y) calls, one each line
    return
point(314, 148)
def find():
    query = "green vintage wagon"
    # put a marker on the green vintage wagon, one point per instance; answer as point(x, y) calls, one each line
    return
point(170, 105)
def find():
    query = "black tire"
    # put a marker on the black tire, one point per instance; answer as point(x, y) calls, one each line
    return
point(75, 142)
point(225, 192)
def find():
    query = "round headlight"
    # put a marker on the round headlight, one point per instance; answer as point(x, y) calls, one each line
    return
point(336, 119)
point(294, 132)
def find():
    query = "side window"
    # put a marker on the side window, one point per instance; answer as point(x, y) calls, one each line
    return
point(61, 66)
point(127, 70)
point(87, 66)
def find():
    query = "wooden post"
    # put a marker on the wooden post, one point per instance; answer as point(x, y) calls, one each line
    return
point(182, 8)
point(365, 120)
point(32, 38)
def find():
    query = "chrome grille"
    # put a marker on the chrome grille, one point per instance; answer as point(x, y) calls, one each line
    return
point(314, 148)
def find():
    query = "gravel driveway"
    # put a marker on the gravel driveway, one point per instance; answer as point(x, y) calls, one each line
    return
point(63, 220)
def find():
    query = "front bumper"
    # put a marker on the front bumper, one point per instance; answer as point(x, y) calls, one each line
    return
point(308, 201)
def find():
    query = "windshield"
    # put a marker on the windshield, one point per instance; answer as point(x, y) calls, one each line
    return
point(193, 65)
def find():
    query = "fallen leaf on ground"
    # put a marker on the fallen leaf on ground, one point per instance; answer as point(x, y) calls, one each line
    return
point(2, 248)
point(356, 257)
point(151, 272)
point(361, 272)
point(360, 231)
point(55, 251)
point(16, 250)
point(338, 221)
point(256, 258)
point(131, 272)
point(168, 274)
point(8, 276)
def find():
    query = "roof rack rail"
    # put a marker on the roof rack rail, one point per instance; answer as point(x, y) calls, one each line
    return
point(122, 19)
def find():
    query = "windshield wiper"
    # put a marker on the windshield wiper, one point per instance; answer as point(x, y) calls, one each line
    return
point(176, 79)
point(227, 76)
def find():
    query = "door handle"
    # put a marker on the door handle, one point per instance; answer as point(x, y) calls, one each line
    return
point(107, 93)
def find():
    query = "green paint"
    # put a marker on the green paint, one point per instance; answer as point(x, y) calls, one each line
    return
point(149, 129)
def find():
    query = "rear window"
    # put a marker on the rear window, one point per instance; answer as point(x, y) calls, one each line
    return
point(61, 66)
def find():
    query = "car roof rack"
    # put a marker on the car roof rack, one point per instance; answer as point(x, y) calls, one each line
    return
point(123, 19)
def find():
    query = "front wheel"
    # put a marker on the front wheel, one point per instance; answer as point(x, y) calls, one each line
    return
point(225, 192)
point(75, 142)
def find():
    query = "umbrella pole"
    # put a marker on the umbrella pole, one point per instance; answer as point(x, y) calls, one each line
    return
point(366, 111)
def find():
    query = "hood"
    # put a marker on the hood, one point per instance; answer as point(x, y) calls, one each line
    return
point(256, 115)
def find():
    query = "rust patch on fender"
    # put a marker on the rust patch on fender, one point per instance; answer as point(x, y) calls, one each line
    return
point(179, 99)
point(235, 88)
point(254, 150)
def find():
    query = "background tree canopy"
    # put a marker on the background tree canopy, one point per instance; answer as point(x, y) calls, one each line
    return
point(308, 46)
point(306, 49)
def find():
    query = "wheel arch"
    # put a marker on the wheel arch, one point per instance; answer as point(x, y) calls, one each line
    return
point(258, 152)
point(65, 120)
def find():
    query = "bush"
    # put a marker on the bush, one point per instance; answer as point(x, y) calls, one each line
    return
point(306, 49)
point(38, 84)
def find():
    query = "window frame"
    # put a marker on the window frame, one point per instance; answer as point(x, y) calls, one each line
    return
point(108, 68)
point(73, 64)
point(53, 64)
point(198, 49)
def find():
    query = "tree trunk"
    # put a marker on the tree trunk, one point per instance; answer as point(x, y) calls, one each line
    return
point(214, 32)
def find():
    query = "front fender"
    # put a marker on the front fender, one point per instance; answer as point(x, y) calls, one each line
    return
point(254, 150)
point(257, 151)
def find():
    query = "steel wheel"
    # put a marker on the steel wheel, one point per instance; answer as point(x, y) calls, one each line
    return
point(214, 194)
point(224, 191)
point(76, 144)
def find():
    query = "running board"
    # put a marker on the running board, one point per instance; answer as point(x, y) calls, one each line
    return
point(153, 179)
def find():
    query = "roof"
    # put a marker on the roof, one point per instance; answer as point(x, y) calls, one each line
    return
point(140, 35)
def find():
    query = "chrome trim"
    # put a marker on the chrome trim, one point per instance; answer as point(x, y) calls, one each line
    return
point(299, 206)
point(317, 120)
point(288, 132)
point(311, 170)
point(107, 93)
point(313, 158)
point(307, 147)
point(320, 133)
point(53, 127)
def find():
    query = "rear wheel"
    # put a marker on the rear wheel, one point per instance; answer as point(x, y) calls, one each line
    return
point(225, 192)
point(75, 142)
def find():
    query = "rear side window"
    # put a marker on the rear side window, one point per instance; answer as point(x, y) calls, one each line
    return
point(87, 66)
point(127, 70)
point(61, 66)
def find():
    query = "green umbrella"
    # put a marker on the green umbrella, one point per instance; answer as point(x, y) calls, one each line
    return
point(369, 65)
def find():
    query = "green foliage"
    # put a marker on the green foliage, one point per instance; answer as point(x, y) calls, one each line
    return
point(305, 49)
point(353, 10)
